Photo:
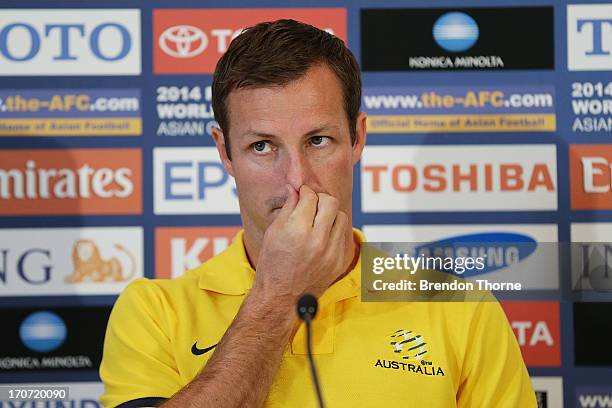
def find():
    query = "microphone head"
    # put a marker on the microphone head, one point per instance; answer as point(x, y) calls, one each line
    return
point(307, 306)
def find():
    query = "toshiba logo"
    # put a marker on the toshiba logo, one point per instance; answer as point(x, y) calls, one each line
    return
point(85, 181)
point(457, 178)
point(591, 176)
point(429, 178)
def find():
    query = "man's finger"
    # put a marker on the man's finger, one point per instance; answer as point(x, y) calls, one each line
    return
point(306, 207)
point(327, 208)
point(338, 229)
point(337, 240)
point(292, 200)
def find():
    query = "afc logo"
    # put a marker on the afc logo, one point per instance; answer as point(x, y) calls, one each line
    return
point(589, 37)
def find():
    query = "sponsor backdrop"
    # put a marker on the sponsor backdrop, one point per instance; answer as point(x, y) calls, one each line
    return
point(488, 119)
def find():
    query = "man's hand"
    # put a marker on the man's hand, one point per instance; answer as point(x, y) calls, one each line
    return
point(302, 252)
point(303, 248)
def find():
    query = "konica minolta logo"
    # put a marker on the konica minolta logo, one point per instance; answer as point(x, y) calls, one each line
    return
point(455, 31)
point(457, 39)
point(42, 331)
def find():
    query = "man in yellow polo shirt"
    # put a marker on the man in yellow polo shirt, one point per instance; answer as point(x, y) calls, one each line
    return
point(226, 333)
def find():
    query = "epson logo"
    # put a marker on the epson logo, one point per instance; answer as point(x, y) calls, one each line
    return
point(206, 175)
point(192, 181)
point(67, 42)
point(589, 37)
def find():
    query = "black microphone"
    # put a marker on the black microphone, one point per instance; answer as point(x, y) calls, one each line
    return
point(307, 309)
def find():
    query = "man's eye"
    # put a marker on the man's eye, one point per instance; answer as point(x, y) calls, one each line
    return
point(261, 147)
point(319, 140)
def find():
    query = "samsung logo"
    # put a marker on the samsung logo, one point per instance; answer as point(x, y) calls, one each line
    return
point(499, 249)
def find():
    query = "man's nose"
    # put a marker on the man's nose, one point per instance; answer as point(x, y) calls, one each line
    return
point(298, 169)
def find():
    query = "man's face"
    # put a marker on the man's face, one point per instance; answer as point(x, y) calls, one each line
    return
point(296, 134)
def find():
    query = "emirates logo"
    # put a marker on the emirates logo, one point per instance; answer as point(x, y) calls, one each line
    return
point(183, 41)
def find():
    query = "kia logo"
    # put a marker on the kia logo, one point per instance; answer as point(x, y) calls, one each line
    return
point(183, 41)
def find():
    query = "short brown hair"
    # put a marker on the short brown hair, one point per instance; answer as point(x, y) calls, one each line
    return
point(279, 52)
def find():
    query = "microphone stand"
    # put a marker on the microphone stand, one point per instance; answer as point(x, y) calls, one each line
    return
point(307, 309)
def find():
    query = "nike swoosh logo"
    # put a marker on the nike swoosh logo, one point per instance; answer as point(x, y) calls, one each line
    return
point(198, 352)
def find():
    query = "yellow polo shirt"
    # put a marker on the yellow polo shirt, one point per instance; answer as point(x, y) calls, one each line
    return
point(367, 354)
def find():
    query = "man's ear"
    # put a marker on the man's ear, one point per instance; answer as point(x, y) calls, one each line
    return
point(217, 135)
point(360, 137)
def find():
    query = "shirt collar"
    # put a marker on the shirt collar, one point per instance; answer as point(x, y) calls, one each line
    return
point(230, 273)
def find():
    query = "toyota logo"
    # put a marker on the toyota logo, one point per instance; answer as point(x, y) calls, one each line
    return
point(183, 41)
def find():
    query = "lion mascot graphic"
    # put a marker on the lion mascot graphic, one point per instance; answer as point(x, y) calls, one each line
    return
point(89, 265)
